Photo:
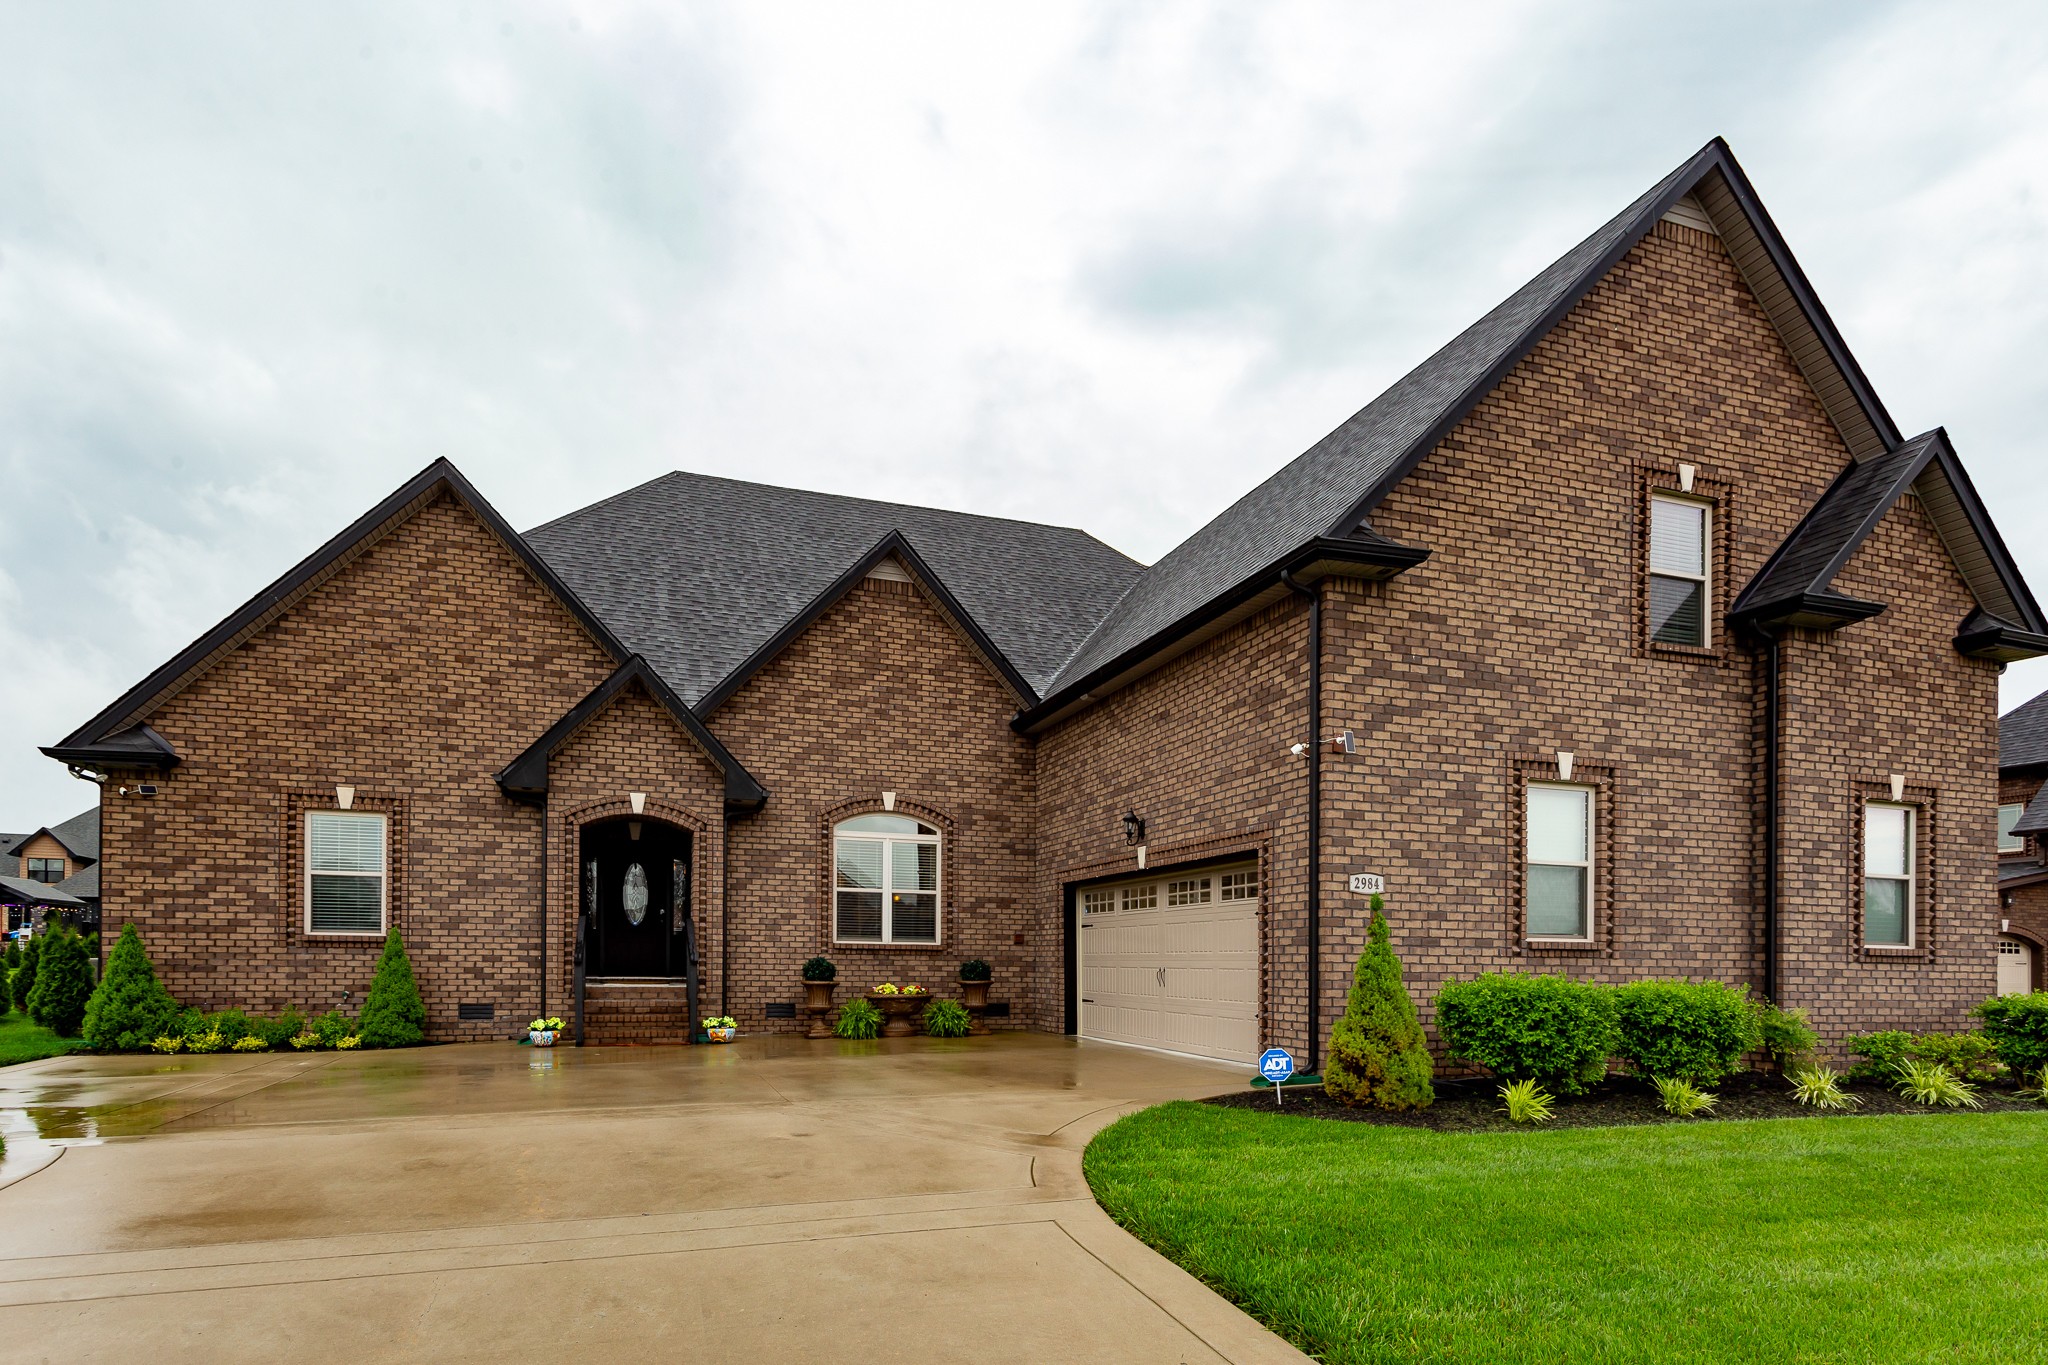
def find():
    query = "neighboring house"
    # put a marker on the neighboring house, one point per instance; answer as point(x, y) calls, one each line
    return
point(1626, 636)
point(63, 858)
point(2023, 845)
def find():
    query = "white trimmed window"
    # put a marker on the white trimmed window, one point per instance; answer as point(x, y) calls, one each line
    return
point(1240, 886)
point(1191, 891)
point(1681, 544)
point(2008, 816)
point(885, 880)
point(1560, 834)
point(346, 886)
point(1888, 875)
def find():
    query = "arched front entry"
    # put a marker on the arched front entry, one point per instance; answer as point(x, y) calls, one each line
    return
point(635, 898)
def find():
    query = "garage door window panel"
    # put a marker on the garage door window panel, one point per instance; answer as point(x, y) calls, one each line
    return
point(886, 871)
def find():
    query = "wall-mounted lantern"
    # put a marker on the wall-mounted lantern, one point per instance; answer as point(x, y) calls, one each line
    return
point(1134, 828)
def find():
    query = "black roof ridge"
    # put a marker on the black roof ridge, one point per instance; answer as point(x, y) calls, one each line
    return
point(527, 774)
point(399, 506)
point(894, 542)
point(887, 503)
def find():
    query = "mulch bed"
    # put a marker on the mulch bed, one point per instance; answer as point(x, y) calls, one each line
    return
point(1473, 1105)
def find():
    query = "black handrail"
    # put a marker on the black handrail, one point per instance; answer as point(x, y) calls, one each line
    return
point(580, 926)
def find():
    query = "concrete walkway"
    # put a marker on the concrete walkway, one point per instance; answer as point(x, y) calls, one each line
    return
point(772, 1200)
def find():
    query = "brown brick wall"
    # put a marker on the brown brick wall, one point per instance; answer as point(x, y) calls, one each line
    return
point(413, 674)
point(882, 693)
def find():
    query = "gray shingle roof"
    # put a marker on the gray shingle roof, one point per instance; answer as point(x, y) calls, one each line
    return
point(84, 883)
point(80, 836)
point(10, 863)
point(2023, 735)
point(1312, 495)
point(696, 573)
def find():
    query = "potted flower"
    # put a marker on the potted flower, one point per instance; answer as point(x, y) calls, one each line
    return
point(721, 1028)
point(543, 1032)
point(975, 975)
point(818, 974)
point(899, 1005)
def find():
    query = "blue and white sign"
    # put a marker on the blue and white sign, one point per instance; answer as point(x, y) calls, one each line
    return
point(1276, 1064)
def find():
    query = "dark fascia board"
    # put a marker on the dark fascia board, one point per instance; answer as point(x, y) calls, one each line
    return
point(1325, 556)
point(1806, 610)
point(1987, 533)
point(441, 474)
point(1715, 156)
point(139, 746)
point(527, 775)
point(1983, 636)
point(894, 543)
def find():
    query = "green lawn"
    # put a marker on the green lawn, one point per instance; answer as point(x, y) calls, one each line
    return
point(1835, 1239)
point(21, 1041)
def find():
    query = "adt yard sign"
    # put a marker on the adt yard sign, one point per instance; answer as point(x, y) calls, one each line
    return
point(1276, 1064)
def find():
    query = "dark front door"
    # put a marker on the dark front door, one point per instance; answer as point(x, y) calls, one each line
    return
point(636, 894)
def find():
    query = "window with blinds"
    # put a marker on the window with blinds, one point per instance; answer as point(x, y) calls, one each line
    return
point(345, 873)
point(1681, 533)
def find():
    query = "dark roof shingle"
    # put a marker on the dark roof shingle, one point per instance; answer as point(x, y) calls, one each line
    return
point(2023, 735)
point(696, 573)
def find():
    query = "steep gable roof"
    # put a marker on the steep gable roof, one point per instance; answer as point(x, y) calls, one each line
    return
point(2023, 735)
point(1331, 489)
point(527, 775)
point(114, 738)
point(1795, 585)
point(80, 836)
point(700, 573)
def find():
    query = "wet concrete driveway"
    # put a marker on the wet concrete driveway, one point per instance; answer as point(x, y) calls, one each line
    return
point(773, 1199)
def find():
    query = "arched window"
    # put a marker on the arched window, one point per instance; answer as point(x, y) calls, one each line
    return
point(885, 881)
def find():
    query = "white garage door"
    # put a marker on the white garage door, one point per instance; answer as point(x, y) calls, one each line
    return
point(2015, 967)
point(1172, 962)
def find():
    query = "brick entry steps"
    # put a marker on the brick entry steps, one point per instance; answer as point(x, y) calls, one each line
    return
point(617, 1012)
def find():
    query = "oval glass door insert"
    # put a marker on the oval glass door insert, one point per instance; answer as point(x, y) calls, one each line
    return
point(634, 894)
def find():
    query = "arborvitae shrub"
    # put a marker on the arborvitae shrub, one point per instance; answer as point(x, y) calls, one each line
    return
point(63, 984)
point(1520, 1027)
point(24, 979)
point(393, 1015)
point(1378, 1055)
point(131, 1007)
point(1685, 1030)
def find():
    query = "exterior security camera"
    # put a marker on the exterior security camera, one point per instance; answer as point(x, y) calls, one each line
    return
point(1297, 749)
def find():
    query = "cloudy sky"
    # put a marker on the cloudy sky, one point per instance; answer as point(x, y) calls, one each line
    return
point(1108, 264)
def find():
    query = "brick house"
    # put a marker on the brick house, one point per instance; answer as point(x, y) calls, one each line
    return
point(2023, 845)
point(54, 869)
point(1624, 636)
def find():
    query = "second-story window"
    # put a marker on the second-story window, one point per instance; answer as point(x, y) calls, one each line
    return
point(1681, 591)
point(2008, 816)
point(46, 870)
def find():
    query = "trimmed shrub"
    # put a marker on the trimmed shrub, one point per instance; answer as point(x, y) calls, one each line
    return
point(63, 985)
point(1883, 1053)
point(858, 1018)
point(24, 979)
point(947, 1019)
point(130, 1009)
point(1787, 1036)
point(1968, 1056)
point(393, 1014)
point(1524, 1027)
point(232, 1025)
point(2017, 1026)
point(1691, 1031)
point(330, 1028)
point(280, 1031)
point(820, 969)
point(1378, 1055)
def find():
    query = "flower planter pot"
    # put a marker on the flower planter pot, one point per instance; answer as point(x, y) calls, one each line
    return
point(898, 1011)
point(541, 1037)
point(974, 995)
point(720, 1035)
point(818, 1004)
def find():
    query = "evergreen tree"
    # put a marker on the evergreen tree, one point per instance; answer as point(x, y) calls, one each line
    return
point(131, 1006)
point(393, 1015)
point(63, 984)
point(1377, 1052)
point(25, 974)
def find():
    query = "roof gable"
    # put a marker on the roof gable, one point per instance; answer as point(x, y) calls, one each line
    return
point(699, 574)
point(113, 736)
point(2023, 735)
point(1332, 488)
point(79, 836)
point(527, 775)
point(1795, 586)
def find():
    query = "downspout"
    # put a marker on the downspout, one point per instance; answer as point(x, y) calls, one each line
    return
point(724, 914)
point(1771, 724)
point(1315, 818)
point(546, 897)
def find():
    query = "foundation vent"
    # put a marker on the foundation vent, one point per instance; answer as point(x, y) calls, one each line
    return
point(476, 1011)
point(781, 1009)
